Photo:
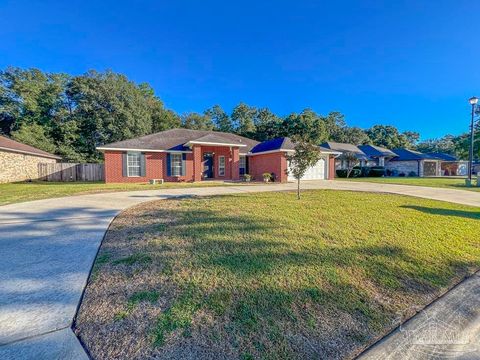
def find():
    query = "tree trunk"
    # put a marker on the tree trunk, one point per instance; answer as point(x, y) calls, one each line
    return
point(298, 189)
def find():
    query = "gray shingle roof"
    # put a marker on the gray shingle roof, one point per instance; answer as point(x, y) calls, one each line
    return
point(283, 143)
point(411, 155)
point(344, 147)
point(443, 156)
point(219, 139)
point(376, 151)
point(175, 139)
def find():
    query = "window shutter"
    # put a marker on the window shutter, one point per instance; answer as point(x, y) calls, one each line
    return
point(142, 165)
point(247, 170)
point(184, 164)
point(169, 168)
point(124, 164)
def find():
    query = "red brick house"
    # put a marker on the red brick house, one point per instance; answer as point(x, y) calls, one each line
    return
point(193, 155)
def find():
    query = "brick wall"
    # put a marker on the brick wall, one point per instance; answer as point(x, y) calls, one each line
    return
point(232, 163)
point(235, 164)
point(113, 168)
point(188, 177)
point(331, 167)
point(19, 167)
point(197, 162)
point(268, 163)
point(155, 166)
point(405, 167)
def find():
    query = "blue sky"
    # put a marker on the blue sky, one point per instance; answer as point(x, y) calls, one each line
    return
point(412, 64)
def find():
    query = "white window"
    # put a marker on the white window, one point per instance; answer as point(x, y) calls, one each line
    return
point(221, 166)
point(176, 164)
point(243, 164)
point(133, 163)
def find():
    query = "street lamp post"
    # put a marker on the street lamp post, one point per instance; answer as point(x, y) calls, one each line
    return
point(473, 101)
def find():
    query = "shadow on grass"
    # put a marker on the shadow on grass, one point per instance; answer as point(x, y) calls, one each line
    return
point(247, 246)
point(475, 215)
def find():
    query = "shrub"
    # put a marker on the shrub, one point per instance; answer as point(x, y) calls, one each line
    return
point(342, 173)
point(412, 174)
point(377, 171)
point(402, 174)
point(358, 169)
point(246, 177)
point(365, 171)
point(267, 177)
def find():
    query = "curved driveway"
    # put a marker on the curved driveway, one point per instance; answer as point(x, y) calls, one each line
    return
point(47, 248)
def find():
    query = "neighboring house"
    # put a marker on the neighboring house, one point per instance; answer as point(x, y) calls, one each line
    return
point(476, 168)
point(413, 162)
point(19, 162)
point(377, 155)
point(341, 148)
point(450, 165)
point(194, 155)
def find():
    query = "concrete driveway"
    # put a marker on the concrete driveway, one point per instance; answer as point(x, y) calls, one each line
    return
point(47, 248)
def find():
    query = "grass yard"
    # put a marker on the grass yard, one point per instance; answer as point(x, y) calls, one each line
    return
point(264, 276)
point(449, 183)
point(37, 190)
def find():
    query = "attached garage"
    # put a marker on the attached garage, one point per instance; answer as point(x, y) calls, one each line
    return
point(317, 172)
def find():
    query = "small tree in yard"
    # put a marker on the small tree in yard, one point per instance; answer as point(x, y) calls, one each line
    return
point(351, 159)
point(306, 155)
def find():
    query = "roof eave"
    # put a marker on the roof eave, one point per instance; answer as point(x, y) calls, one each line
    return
point(101, 148)
point(48, 156)
point(213, 144)
point(270, 152)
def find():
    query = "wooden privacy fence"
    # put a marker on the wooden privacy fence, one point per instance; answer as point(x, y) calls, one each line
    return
point(70, 172)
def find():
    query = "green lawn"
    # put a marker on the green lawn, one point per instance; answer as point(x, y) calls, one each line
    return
point(24, 191)
point(455, 183)
point(265, 276)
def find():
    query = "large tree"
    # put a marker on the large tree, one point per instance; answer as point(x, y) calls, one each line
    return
point(267, 125)
point(164, 119)
point(307, 125)
point(220, 118)
point(34, 135)
point(109, 107)
point(389, 137)
point(31, 96)
point(70, 116)
point(35, 109)
point(196, 121)
point(444, 144)
point(243, 117)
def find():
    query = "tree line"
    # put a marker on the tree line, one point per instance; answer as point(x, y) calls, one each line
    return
point(71, 115)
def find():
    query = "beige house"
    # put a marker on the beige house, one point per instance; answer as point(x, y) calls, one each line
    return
point(19, 162)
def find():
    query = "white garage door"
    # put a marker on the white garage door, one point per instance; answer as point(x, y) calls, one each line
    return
point(316, 172)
